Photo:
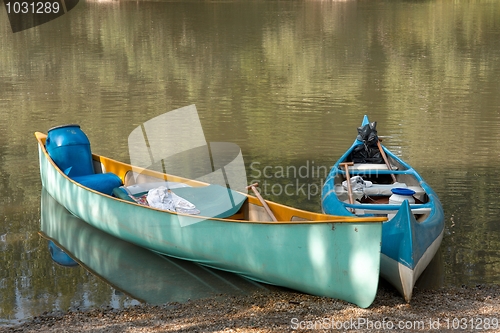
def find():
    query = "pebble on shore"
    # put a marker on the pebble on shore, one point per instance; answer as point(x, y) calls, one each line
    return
point(464, 309)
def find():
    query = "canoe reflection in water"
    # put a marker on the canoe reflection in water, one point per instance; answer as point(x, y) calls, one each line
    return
point(139, 273)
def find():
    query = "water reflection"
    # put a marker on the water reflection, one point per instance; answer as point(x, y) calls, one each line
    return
point(433, 276)
point(137, 272)
point(60, 257)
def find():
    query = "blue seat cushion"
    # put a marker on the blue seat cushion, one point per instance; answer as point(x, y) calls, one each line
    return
point(101, 182)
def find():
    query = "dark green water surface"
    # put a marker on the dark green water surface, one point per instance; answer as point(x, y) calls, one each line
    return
point(287, 81)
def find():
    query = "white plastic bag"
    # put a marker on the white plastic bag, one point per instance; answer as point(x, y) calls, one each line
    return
point(357, 183)
point(162, 198)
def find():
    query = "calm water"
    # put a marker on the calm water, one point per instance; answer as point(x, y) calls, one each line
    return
point(288, 81)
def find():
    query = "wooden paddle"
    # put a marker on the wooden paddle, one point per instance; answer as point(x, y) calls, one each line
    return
point(348, 177)
point(384, 156)
point(262, 201)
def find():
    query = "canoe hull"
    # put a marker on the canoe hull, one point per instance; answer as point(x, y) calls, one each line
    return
point(408, 247)
point(401, 276)
point(338, 260)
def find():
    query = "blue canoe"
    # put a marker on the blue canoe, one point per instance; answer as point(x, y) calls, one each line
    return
point(413, 232)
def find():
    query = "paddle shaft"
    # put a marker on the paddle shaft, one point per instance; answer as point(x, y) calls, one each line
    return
point(384, 156)
point(262, 201)
point(348, 177)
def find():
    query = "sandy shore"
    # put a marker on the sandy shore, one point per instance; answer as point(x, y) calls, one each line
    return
point(445, 310)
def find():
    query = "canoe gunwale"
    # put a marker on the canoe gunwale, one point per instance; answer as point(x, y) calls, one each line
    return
point(410, 171)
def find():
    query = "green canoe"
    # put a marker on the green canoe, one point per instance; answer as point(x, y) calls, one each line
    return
point(319, 254)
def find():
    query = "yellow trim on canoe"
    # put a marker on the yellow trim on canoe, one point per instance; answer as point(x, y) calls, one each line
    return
point(283, 213)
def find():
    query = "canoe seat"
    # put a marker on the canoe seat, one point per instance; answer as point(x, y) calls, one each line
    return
point(212, 200)
point(371, 166)
point(378, 189)
point(367, 211)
